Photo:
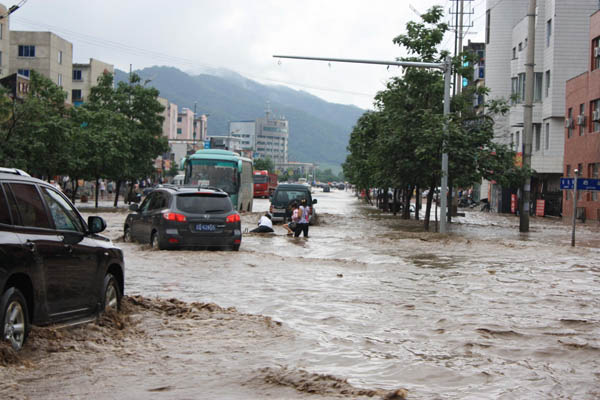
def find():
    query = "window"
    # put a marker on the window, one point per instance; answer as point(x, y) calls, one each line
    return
point(26, 51)
point(76, 74)
point(538, 136)
point(581, 119)
point(59, 80)
point(595, 106)
point(76, 95)
point(514, 90)
point(521, 87)
point(63, 215)
point(570, 123)
point(1, 31)
point(488, 20)
point(4, 213)
point(24, 72)
point(178, 119)
point(514, 57)
point(547, 83)
point(537, 87)
point(596, 53)
point(547, 141)
point(60, 57)
point(517, 147)
point(179, 131)
point(29, 205)
point(521, 46)
point(548, 32)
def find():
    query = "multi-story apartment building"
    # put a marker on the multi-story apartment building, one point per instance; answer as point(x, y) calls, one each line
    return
point(170, 118)
point(185, 124)
point(582, 126)
point(246, 132)
point(272, 136)
point(185, 132)
point(4, 42)
point(561, 38)
point(85, 76)
point(501, 17)
point(44, 52)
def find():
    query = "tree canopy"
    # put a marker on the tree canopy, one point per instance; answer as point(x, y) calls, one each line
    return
point(400, 144)
point(116, 134)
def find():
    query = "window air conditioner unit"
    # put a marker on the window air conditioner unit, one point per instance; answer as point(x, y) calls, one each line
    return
point(568, 123)
point(596, 115)
point(596, 52)
point(581, 119)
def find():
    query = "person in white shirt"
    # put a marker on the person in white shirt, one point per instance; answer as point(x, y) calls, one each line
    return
point(265, 224)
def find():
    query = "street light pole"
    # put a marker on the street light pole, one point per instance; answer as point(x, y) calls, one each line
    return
point(446, 67)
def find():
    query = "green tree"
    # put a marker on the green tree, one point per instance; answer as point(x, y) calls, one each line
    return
point(36, 132)
point(261, 164)
point(123, 127)
point(400, 144)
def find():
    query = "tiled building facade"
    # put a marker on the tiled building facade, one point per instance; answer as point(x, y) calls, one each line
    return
point(582, 127)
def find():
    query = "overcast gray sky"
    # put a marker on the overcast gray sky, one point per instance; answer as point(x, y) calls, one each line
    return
point(242, 35)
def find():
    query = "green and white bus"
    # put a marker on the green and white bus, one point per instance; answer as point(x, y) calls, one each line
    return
point(225, 170)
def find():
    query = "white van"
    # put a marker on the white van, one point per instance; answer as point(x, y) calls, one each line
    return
point(178, 180)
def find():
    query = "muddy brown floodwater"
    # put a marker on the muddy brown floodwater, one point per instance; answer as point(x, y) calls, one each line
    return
point(368, 307)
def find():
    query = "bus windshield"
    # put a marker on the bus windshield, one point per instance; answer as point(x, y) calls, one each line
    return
point(261, 178)
point(218, 173)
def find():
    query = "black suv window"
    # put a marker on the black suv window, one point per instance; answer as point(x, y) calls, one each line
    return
point(65, 218)
point(4, 213)
point(159, 201)
point(202, 203)
point(284, 197)
point(30, 205)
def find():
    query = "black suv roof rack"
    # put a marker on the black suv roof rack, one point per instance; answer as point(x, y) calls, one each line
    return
point(14, 171)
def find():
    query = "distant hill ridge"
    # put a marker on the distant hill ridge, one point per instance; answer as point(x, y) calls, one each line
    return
point(319, 130)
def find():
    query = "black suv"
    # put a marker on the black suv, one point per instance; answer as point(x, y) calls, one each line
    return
point(53, 266)
point(185, 217)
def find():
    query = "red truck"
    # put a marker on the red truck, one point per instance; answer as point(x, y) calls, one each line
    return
point(264, 183)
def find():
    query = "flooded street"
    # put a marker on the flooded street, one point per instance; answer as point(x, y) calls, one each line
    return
point(366, 305)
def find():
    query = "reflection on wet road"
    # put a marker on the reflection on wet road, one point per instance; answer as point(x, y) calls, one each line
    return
point(481, 313)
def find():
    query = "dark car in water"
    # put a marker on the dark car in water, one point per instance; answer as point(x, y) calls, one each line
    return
point(173, 217)
point(54, 267)
point(285, 195)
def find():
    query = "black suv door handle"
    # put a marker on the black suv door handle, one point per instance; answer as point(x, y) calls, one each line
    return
point(30, 245)
point(69, 248)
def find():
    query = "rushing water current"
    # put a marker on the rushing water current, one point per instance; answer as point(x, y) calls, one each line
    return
point(484, 312)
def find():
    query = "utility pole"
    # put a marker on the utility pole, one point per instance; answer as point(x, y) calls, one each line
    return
point(575, 176)
point(528, 117)
point(460, 42)
point(445, 67)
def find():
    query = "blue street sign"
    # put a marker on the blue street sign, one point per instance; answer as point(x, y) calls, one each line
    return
point(207, 144)
point(566, 183)
point(582, 184)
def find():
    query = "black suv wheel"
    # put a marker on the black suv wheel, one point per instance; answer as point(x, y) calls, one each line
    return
point(14, 318)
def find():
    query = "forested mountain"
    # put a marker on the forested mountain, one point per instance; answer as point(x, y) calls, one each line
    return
point(319, 130)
